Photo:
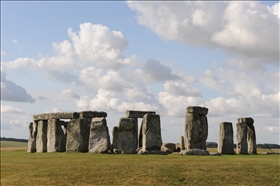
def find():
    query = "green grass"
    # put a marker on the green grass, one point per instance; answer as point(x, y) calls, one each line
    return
point(7, 144)
point(22, 168)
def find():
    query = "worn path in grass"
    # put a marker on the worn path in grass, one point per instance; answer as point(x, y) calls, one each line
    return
point(22, 168)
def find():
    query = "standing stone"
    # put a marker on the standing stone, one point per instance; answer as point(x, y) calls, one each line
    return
point(225, 142)
point(196, 128)
point(251, 139)
point(241, 136)
point(99, 139)
point(77, 135)
point(41, 138)
point(182, 143)
point(55, 136)
point(32, 137)
point(125, 136)
point(151, 132)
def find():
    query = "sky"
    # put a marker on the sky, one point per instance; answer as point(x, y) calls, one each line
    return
point(155, 56)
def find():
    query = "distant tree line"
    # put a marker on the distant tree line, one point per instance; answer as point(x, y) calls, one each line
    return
point(13, 139)
point(264, 146)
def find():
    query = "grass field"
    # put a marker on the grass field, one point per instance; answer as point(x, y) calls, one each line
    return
point(8, 144)
point(22, 168)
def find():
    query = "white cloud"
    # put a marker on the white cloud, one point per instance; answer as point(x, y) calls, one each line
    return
point(10, 109)
point(14, 41)
point(181, 89)
point(70, 93)
point(13, 92)
point(243, 28)
point(3, 53)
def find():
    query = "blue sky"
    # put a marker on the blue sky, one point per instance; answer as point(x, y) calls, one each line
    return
point(162, 56)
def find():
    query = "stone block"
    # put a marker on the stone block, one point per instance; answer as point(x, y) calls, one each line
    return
point(77, 135)
point(241, 138)
point(32, 137)
point(251, 139)
point(138, 114)
point(246, 120)
point(225, 141)
point(151, 132)
point(92, 114)
point(125, 136)
point(182, 143)
point(58, 115)
point(41, 137)
point(55, 136)
point(99, 140)
point(197, 110)
point(192, 131)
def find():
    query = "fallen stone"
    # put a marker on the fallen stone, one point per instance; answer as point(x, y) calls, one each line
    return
point(225, 141)
point(32, 137)
point(215, 154)
point(58, 115)
point(151, 132)
point(195, 152)
point(41, 137)
point(178, 147)
point(138, 114)
point(271, 152)
point(99, 140)
point(168, 146)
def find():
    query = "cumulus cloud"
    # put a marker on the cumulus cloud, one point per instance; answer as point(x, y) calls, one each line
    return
point(10, 109)
point(246, 28)
point(154, 71)
point(70, 93)
point(13, 92)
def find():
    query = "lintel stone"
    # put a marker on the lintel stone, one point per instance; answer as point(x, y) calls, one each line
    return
point(246, 120)
point(93, 114)
point(58, 115)
point(138, 114)
point(197, 110)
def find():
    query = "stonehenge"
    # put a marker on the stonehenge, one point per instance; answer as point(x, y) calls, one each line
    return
point(245, 136)
point(87, 131)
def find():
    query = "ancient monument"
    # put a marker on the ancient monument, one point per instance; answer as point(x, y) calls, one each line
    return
point(49, 133)
point(246, 136)
point(225, 141)
point(196, 128)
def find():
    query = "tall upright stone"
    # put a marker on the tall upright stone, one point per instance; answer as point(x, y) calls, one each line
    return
point(196, 128)
point(182, 143)
point(151, 132)
point(41, 137)
point(251, 139)
point(99, 139)
point(55, 136)
point(32, 137)
point(225, 142)
point(125, 136)
point(77, 135)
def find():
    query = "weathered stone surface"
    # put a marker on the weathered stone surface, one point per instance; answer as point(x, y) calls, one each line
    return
point(168, 147)
point(77, 135)
point(99, 140)
point(151, 132)
point(58, 115)
point(138, 114)
point(251, 139)
point(215, 154)
point(41, 138)
point(196, 131)
point(241, 137)
point(246, 120)
point(197, 152)
point(92, 114)
point(182, 143)
point(125, 136)
point(197, 110)
point(225, 142)
point(32, 137)
point(55, 136)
